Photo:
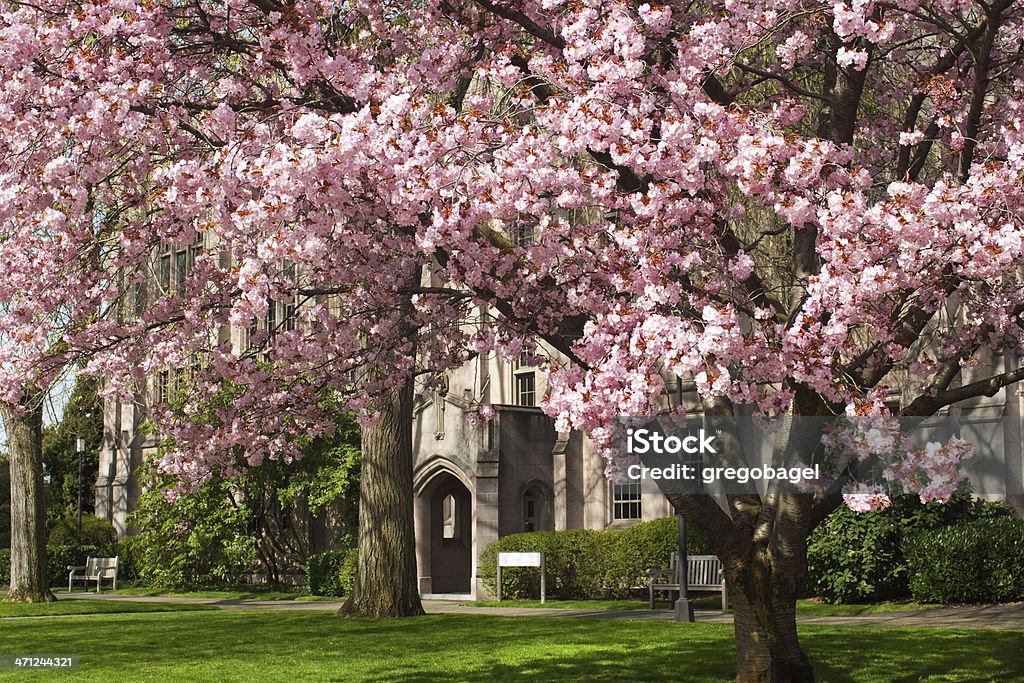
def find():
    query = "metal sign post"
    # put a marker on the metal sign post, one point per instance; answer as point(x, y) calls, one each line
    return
point(524, 560)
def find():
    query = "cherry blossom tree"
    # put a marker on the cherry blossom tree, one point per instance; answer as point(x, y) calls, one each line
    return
point(798, 206)
point(128, 112)
point(42, 263)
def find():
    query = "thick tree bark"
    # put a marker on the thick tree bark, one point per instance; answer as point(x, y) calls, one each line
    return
point(762, 543)
point(386, 583)
point(763, 581)
point(764, 618)
point(29, 582)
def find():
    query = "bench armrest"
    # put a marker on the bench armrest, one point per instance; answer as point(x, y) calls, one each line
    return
point(78, 568)
point(655, 573)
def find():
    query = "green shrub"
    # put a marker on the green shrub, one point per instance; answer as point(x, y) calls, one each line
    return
point(95, 531)
point(860, 557)
point(855, 557)
point(637, 548)
point(331, 573)
point(200, 539)
point(128, 550)
point(347, 575)
point(516, 582)
point(60, 557)
point(586, 564)
point(978, 561)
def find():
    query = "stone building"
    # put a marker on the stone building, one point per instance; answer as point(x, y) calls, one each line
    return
point(127, 445)
point(476, 481)
point(473, 482)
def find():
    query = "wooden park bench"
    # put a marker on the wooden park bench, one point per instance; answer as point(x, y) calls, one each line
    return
point(95, 569)
point(704, 574)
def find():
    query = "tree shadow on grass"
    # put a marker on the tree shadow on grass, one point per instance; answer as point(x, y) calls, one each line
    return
point(910, 655)
point(557, 649)
point(318, 646)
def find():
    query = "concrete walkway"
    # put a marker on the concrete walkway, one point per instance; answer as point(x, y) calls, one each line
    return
point(1009, 616)
point(224, 604)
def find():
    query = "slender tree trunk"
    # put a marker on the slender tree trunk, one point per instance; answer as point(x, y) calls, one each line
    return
point(29, 581)
point(386, 583)
point(764, 617)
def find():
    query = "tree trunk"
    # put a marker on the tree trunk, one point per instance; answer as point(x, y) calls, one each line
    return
point(762, 543)
point(764, 618)
point(386, 584)
point(29, 581)
point(763, 582)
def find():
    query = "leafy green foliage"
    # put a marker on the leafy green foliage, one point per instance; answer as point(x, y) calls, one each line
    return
point(977, 561)
point(587, 564)
point(83, 416)
point(642, 546)
point(259, 523)
point(331, 573)
point(859, 557)
point(573, 561)
point(283, 499)
point(328, 471)
point(95, 531)
point(199, 539)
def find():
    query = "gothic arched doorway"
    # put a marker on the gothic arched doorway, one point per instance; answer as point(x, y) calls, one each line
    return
point(450, 518)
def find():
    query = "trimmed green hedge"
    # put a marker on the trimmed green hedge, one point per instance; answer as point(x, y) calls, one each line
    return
point(95, 532)
point(979, 561)
point(583, 564)
point(331, 573)
point(860, 557)
point(59, 558)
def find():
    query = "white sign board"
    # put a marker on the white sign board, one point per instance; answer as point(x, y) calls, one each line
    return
point(524, 560)
point(520, 559)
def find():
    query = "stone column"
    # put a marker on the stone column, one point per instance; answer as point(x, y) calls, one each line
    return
point(485, 502)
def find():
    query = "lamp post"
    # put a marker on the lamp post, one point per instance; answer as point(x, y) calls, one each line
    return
point(684, 607)
point(80, 448)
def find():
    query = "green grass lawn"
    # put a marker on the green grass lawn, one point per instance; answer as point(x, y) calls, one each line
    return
point(805, 608)
point(318, 646)
point(19, 609)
